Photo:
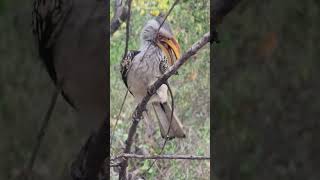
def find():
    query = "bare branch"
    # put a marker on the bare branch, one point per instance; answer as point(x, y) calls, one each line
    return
point(187, 157)
point(137, 115)
point(43, 129)
point(127, 28)
point(120, 15)
point(124, 55)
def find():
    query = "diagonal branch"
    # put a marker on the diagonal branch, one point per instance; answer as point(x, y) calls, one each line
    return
point(43, 130)
point(137, 115)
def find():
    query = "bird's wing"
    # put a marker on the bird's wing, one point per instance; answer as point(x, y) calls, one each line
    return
point(48, 18)
point(126, 64)
point(164, 65)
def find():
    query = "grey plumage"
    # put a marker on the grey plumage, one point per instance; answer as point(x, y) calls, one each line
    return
point(48, 18)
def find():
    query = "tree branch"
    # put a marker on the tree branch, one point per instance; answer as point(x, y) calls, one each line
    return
point(188, 157)
point(127, 28)
point(42, 131)
point(120, 15)
point(137, 115)
point(124, 55)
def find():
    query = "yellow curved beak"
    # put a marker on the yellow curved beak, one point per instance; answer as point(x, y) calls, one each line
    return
point(174, 45)
point(171, 45)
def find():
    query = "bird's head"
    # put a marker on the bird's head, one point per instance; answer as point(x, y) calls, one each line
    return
point(164, 38)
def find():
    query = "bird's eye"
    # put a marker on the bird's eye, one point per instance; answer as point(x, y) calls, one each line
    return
point(161, 37)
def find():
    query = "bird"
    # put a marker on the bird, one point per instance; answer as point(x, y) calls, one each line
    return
point(71, 37)
point(159, 49)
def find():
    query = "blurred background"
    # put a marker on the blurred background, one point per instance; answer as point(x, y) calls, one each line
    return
point(266, 101)
point(191, 90)
point(25, 93)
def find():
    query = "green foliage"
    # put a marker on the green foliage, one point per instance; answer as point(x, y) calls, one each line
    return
point(151, 7)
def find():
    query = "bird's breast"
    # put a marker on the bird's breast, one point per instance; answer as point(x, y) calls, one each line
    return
point(144, 72)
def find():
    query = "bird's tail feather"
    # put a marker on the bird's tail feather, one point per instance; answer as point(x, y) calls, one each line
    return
point(163, 112)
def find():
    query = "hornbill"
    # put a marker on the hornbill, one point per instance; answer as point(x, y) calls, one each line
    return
point(141, 68)
point(71, 37)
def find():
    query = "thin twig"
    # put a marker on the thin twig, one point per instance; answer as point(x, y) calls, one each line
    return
point(124, 55)
point(127, 29)
point(43, 128)
point(187, 157)
point(118, 117)
point(166, 137)
point(120, 14)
